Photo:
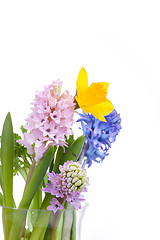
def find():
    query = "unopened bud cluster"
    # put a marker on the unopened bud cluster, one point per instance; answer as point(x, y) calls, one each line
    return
point(73, 177)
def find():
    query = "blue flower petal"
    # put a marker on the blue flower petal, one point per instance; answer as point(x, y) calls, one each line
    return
point(99, 134)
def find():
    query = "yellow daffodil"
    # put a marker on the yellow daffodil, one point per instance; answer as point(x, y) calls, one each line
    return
point(92, 99)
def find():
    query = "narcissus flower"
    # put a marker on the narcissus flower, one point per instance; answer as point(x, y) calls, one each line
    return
point(92, 99)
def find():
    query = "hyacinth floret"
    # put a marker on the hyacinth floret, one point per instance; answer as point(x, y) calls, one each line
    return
point(50, 121)
point(67, 185)
point(99, 135)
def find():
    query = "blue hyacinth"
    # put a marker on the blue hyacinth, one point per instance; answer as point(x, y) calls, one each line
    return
point(99, 135)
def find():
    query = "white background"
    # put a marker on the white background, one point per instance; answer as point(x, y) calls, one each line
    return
point(117, 42)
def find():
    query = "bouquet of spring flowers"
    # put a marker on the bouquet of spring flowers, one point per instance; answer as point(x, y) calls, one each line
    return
point(52, 162)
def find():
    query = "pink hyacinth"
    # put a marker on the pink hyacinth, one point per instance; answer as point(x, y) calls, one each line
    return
point(67, 185)
point(50, 121)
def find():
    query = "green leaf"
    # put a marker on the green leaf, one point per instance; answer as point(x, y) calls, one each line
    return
point(1, 199)
point(47, 234)
point(71, 153)
point(70, 141)
point(22, 157)
point(37, 178)
point(58, 158)
point(35, 204)
point(30, 191)
point(23, 129)
point(61, 151)
point(45, 180)
point(20, 150)
point(1, 179)
point(7, 158)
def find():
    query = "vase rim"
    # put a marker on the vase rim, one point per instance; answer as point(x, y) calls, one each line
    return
point(84, 206)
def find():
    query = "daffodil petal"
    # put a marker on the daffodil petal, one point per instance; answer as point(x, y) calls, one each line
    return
point(85, 110)
point(98, 116)
point(83, 107)
point(82, 82)
point(102, 109)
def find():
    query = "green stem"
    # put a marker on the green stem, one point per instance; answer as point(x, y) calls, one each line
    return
point(23, 173)
point(24, 163)
point(30, 174)
point(29, 193)
point(25, 159)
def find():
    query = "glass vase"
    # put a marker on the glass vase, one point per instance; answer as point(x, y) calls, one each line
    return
point(24, 224)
